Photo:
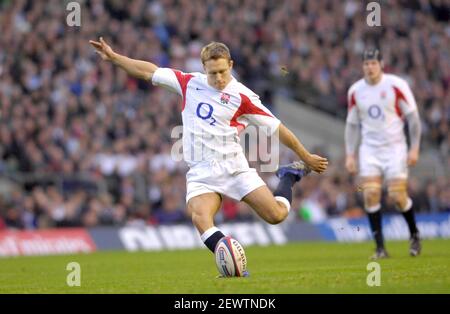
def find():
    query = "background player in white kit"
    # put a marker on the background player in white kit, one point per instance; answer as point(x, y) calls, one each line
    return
point(215, 106)
point(378, 105)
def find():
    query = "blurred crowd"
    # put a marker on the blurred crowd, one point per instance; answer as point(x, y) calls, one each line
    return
point(83, 144)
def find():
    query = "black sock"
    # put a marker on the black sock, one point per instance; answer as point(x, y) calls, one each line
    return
point(375, 225)
point(411, 221)
point(284, 188)
point(211, 242)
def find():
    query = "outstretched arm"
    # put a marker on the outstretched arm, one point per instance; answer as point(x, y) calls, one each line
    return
point(315, 162)
point(140, 69)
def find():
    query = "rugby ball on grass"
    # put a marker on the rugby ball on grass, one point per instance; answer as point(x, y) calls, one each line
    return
point(230, 258)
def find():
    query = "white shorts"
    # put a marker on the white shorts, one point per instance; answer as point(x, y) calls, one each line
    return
point(390, 161)
point(232, 178)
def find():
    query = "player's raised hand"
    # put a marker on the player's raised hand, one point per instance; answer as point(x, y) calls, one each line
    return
point(317, 163)
point(103, 49)
point(350, 164)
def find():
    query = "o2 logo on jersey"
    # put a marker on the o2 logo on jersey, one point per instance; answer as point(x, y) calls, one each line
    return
point(205, 111)
point(375, 112)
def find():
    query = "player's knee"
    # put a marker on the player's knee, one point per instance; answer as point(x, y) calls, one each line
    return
point(395, 197)
point(372, 197)
point(397, 192)
point(277, 216)
point(400, 199)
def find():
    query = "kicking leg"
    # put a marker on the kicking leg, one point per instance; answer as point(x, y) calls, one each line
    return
point(289, 175)
point(266, 206)
point(274, 208)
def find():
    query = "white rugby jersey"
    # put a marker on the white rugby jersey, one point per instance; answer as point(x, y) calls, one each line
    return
point(212, 119)
point(380, 109)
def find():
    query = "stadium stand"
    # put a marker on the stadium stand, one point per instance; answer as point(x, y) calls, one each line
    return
point(83, 144)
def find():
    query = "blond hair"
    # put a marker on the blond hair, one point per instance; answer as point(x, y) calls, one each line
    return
point(214, 51)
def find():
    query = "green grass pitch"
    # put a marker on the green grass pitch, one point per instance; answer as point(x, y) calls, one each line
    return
point(293, 268)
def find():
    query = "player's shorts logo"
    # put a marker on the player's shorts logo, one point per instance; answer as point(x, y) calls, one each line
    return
point(375, 112)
